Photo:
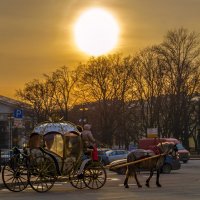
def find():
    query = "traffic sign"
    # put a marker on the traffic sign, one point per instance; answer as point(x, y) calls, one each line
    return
point(18, 113)
point(152, 132)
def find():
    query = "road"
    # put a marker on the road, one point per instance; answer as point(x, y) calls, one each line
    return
point(182, 184)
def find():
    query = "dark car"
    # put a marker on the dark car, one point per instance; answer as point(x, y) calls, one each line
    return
point(171, 163)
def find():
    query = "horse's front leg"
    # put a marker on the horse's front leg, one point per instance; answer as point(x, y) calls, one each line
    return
point(126, 179)
point(158, 178)
point(150, 176)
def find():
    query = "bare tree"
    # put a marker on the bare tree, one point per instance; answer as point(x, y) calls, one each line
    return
point(149, 83)
point(97, 84)
point(123, 86)
point(179, 55)
point(108, 81)
point(52, 98)
point(39, 95)
point(64, 84)
point(154, 88)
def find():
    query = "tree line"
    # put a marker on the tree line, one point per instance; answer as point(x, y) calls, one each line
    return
point(122, 96)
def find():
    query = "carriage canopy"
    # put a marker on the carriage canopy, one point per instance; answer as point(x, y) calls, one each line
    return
point(62, 128)
point(63, 139)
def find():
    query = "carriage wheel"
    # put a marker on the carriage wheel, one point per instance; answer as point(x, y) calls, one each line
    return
point(94, 176)
point(76, 180)
point(42, 174)
point(14, 174)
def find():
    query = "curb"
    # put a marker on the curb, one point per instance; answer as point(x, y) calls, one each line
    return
point(195, 158)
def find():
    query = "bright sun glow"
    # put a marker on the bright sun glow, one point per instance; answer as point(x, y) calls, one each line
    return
point(96, 32)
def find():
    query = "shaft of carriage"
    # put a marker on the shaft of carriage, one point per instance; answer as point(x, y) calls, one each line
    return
point(118, 165)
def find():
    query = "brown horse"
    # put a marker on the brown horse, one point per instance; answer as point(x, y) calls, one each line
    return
point(153, 164)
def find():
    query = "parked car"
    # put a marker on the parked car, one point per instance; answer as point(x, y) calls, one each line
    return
point(102, 156)
point(116, 155)
point(119, 170)
point(170, 163)
point(5, 156)
point(183, 153)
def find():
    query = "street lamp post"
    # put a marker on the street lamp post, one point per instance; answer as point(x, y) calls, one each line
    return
point(10, 118)
point(83, 119)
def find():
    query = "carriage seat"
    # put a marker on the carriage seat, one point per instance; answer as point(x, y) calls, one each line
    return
point(92, 153)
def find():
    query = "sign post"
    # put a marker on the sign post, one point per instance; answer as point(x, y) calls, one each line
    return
point(18, 118)
point(152, 132)
point(17, 123)
point(18, 113)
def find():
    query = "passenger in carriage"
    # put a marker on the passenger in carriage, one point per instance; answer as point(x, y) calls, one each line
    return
point(34, 141)
point(49, 139)
point(34, 144)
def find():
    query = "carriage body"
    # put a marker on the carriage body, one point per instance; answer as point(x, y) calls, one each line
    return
point(55, 153)
point(61, 141)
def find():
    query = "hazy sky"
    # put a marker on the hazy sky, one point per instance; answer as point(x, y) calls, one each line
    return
point(36, 36)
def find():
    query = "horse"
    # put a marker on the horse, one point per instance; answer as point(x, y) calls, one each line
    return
point(152, 164)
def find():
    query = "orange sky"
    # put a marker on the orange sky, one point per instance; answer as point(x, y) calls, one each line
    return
point(36, 36)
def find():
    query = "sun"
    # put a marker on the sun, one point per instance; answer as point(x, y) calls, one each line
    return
point(96, 32)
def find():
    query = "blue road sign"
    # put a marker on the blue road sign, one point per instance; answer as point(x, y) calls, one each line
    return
point(18, 113)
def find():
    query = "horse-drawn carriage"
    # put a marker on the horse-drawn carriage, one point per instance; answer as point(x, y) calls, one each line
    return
point(55, 153)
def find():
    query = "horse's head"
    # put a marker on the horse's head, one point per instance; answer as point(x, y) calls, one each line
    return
point(167, 147)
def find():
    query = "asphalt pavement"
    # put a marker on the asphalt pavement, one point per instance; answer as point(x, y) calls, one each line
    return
point(196, 157)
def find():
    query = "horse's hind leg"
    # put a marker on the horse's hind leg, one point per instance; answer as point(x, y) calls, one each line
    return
point(157, 178)
point(136, 179)
point(150, 176)
point(128, 174)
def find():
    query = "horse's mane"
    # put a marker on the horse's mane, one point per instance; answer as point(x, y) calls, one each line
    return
point(166, 146)
point(165, 143)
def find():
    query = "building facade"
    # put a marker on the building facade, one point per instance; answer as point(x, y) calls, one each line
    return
point(15, 123)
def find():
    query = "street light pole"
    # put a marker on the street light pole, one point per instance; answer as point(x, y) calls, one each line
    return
point(83, 119)
point(10, 130)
